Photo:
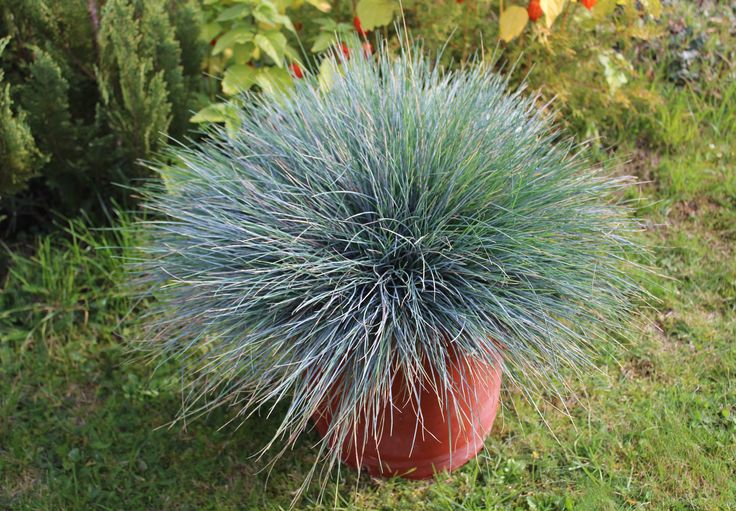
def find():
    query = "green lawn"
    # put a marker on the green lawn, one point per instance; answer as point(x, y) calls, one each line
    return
point(83, 424)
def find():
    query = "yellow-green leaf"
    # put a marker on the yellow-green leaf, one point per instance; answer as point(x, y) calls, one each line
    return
point(209, 31)
point(238, 35)
point(217, 112)
point(327, 71)
point(268, 13)
point(603, 9)
point(273, 81)
point(512, 22)
point(322, 5)
point(375, 13)
point(227, 113)
point(654, 7)
point(292, 55)
point(235, 12)
point(322, 42)
point(284, 20)
point(273, 43)
point(238, 78)
point(242, 53)
point(552, 9)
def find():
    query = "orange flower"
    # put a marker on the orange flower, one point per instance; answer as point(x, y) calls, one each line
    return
point(358, 27)
point(296, 70)
point(535, 10)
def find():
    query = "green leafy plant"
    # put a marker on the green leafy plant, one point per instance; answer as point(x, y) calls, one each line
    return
point(249, 47)
point(338, 241)
point(367, 15)
point(256, 44)
point(514, 18)
point(583, 53)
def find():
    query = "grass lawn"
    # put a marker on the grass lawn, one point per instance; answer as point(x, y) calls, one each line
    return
point(84, 426)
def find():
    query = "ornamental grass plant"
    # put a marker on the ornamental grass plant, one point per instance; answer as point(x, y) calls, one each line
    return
point(345, 237)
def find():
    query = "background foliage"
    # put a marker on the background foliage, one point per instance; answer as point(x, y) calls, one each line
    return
point(88, 89)
point(81, 427)
point(82, 101)
point(596, 44)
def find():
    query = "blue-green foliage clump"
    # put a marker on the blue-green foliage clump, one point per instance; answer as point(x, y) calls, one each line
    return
point(342, 237)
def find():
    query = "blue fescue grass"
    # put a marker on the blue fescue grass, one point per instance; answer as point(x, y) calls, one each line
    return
point(341, 238)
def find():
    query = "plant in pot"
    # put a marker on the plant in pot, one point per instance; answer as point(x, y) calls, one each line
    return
point(377, 254)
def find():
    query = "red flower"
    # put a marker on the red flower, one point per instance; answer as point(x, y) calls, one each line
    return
point(588, 3)
point(358, 27)
point(534, 10)
point(296, 70)
point(345, 51)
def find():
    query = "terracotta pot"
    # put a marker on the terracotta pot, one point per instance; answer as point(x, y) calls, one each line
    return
point(444, 439)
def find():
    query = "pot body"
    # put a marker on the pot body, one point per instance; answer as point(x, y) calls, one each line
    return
point(444, 436)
